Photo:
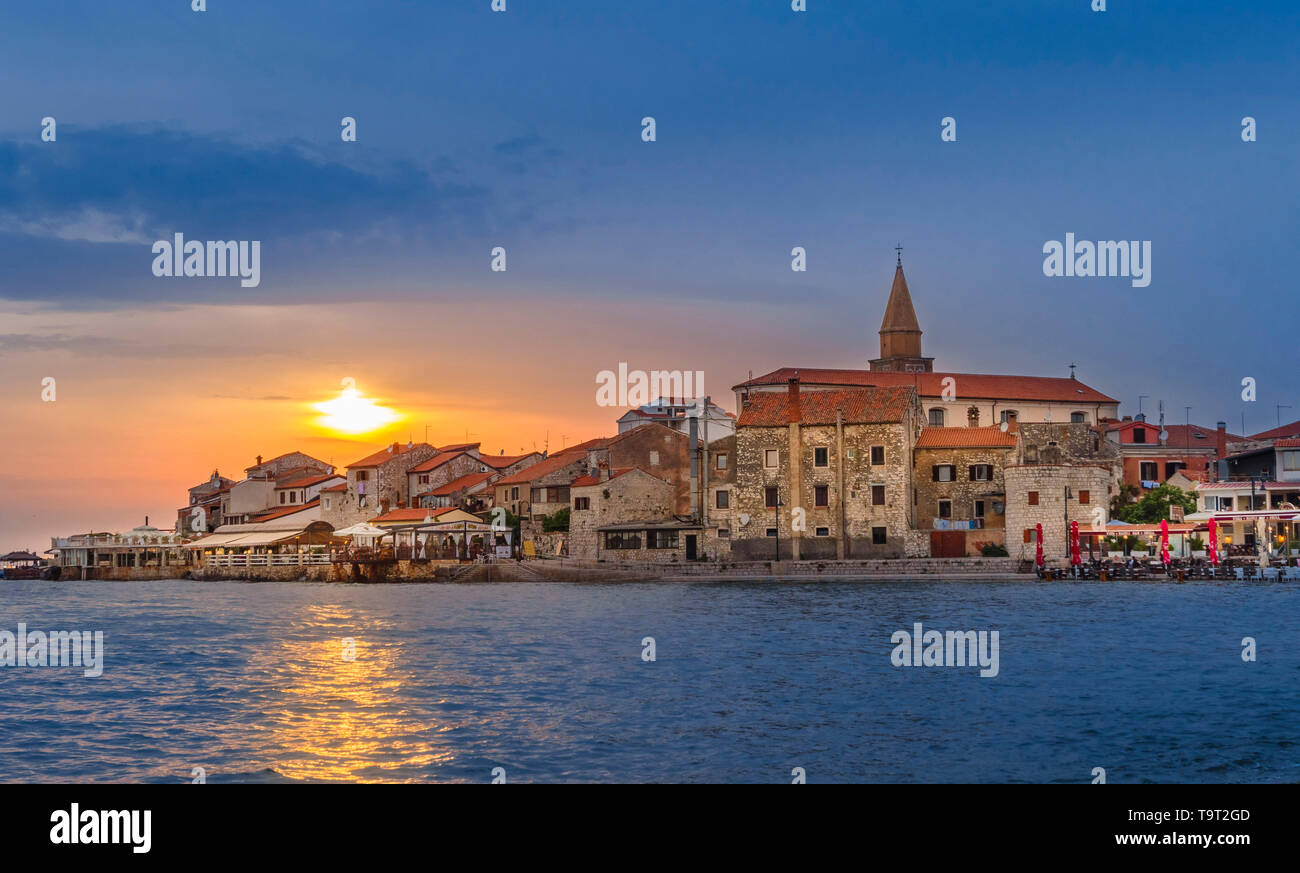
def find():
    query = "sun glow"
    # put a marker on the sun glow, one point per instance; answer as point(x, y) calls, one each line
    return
point(352, 413)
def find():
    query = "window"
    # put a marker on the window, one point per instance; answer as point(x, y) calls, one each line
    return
point(821, 457)
point(1033, 498)
point(945, 509)
point(722, 499)
point(943, 473)
point(724, 533)
point(514, 493)
point(1173, 467)
point(771, 459)
point(878, 536)
point(1031, 534)
point(822, 532)
point(936, 417)
point(979, 509)
point(981, 472)
point(661, 539)
point(582, 503)
point(721, 461)
point(1291, 460)
point(362, 475)
point(1139, 434)
point(771, 532)
point(821, 495)
point(1078, 418)
point(877, 495)
point(769, 496)
point(654, 458)
point(1008, 415)
point(619, 539)
point(328, 502)
point(1148, 470)
point(282, 496)
point(877, 456)
point(1085, 496)
point(423, 479)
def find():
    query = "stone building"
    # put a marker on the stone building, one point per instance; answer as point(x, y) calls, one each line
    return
point(1055, 495)
point(825, 474)
point(663, 452)
point(428, 476)
point(626, 515)
point(960, 491)
point(543, 488)
point(375, 484)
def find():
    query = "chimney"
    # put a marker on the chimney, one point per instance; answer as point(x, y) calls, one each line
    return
point(383, 506)
point(1221, 439)
point(602, 470)
point(259, 461)
point(793, 388)
point(1127, 418)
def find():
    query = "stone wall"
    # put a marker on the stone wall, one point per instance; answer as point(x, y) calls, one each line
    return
point(1046, 485)
point(860, 514)
point(631, 497)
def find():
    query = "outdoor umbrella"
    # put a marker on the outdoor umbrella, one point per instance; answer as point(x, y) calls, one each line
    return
point(1214, 542)
point(1164, 540)
point(1074, 543)
point(1038, 555)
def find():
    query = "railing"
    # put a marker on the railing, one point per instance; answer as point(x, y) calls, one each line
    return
point(289, 560)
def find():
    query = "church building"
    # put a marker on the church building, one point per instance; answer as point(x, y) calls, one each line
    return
point(947, 399)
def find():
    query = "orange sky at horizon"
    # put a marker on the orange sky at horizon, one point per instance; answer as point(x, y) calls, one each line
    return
point(150, 401)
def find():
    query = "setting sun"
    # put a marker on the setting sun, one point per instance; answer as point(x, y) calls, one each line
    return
point(352, 413)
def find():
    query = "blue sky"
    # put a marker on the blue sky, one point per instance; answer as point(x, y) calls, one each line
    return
point(775, 129)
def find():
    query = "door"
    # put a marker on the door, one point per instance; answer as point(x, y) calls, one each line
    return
point(691, 547)
point(947, 543)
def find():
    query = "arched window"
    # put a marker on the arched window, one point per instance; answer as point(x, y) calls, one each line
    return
point(1078, 418)
point(936, 417)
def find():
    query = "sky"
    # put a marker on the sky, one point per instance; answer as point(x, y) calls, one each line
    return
point(523, 130)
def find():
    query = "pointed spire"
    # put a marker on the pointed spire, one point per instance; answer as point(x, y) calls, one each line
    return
point(899, 314)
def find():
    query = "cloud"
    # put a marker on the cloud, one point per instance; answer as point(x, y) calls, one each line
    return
point(77, 217)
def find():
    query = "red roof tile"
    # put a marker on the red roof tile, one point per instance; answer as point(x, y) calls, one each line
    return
point(541, 468)
point(584, 481)
point(463, 482)
point(859, 406)
point(965, 437)
point(386, 454)
point(413, 514)
point(308, 481)
point(968, 385)
point(342, 486)
point(435, 462)
point(500, 461)
point(1286, 430)
point(288, 510)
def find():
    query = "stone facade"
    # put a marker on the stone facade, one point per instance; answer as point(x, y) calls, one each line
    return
point(959, 482)
point(375, 484)
point(660, 451)
point(1036, 494)
point(719, 521)
point(438, 471)
point(835, 502)
point(624, 497)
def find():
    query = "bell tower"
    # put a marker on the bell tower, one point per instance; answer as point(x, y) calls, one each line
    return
point(900, 334)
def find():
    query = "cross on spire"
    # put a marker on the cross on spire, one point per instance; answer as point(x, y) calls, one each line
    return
point(899, 248)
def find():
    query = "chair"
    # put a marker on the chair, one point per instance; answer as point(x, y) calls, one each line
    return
point(1241, 574)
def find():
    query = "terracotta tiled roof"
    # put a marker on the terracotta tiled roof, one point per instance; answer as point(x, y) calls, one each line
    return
point(386, 454)
point(541, 468)
point(860, 406)
point(414, 514)
point(288, 510)
point(459, 447)
point(463, 482)
point(1193, 435)
point(968, 385)
point(584, 481)
point(500, 461)
point(306, 482)
point(965, 437)
point(598, 443)
point(1287, 444)
point(342, 486)
point(1285, 431)
point(435, 462)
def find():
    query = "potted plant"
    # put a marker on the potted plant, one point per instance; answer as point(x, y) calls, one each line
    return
point(1198, 547)
point(1114, 546)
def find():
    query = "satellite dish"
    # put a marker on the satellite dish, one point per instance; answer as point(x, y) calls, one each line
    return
point(744, 518)
point(1164, 434)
